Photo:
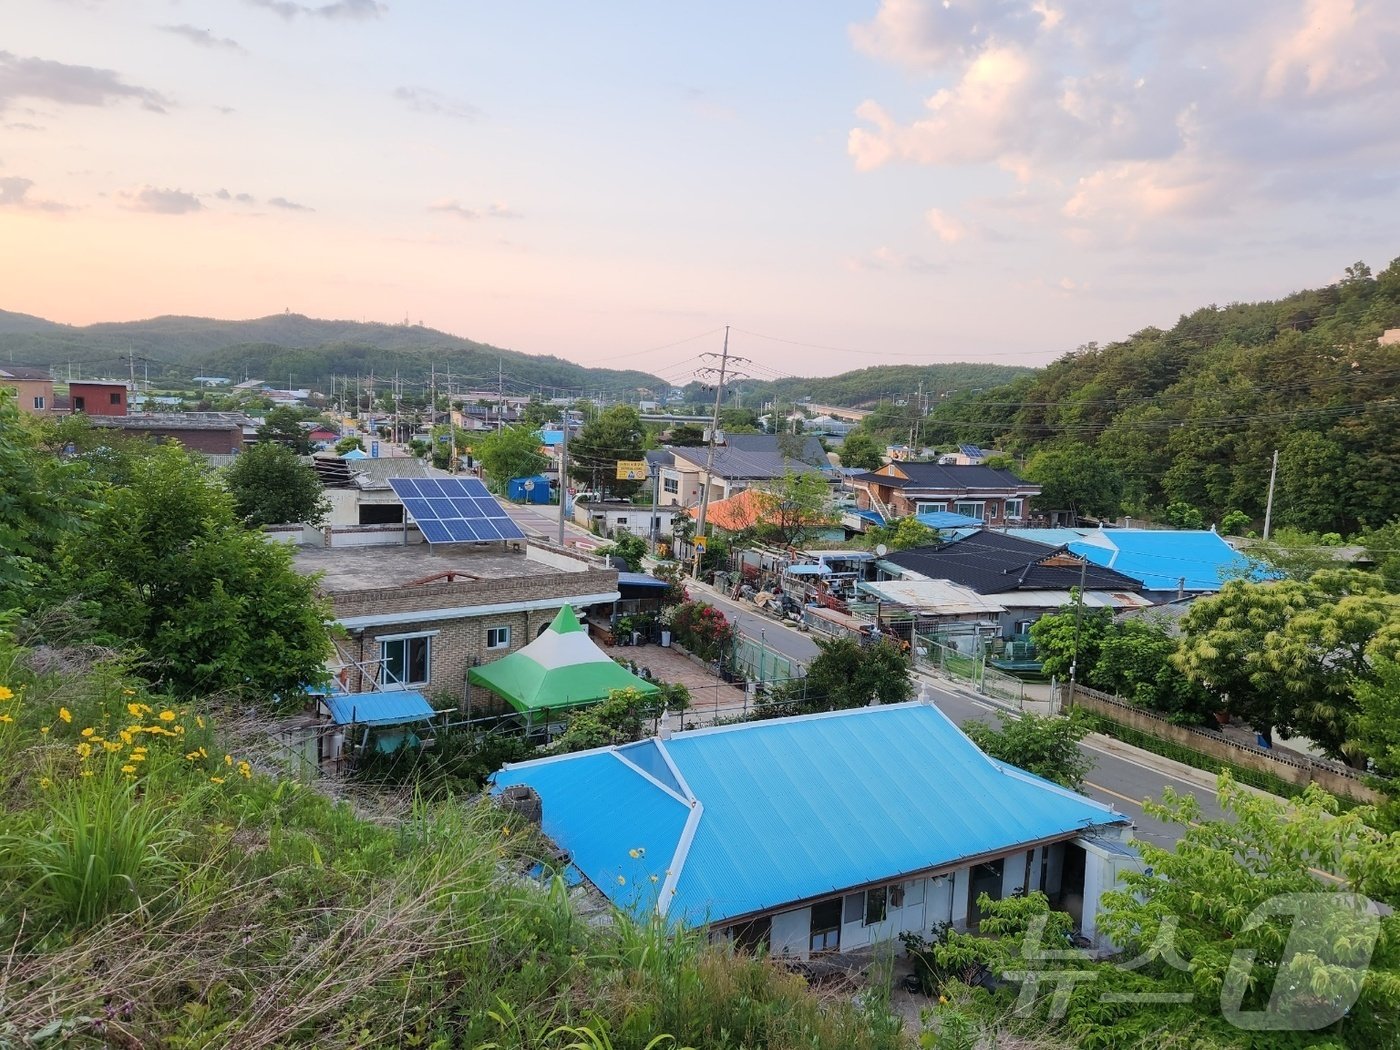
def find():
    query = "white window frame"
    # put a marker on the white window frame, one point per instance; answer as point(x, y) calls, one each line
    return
point(1019, 504)
point(930, 506)
point(39, 403)
point(389, 639)
point(671, 486)
point(980, 504)
point(502, 634)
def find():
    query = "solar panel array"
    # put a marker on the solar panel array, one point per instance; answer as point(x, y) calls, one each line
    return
point(455, 510)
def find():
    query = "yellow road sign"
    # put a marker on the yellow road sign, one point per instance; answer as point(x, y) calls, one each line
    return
point(631, 470)
point(700, 544)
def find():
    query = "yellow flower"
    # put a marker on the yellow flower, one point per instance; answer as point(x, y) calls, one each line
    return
point(134, 710)
point(138, 758)
point(111, 747)
point(128, 692)
point(216, 780)
point(89, 731)
point(84, 750)
point(179, 730)
point(128, 768)
point(86, 773)
point(6, 693)
point(228, 760)
point(6, 718)
point(203, 753)
point(45, 783)
point(44, 730)
point(65, 714)
point(126, 736)
point(167, 716)
point(199, 721)
point(192, 755)
point(245, 770)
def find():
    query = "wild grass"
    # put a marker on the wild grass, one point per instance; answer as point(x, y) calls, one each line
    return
point(161, 886)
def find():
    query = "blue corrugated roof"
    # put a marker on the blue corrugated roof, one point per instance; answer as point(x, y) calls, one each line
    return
point(551, 437)
point(871, 515)
point(947, 519)
point(1161, 558)
point(791, 809)
point(379, 709)
point(639, 579)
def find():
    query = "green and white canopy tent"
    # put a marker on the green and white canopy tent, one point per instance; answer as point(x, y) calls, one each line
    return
point(561, 668)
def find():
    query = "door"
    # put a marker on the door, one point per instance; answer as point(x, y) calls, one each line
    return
point(826, 926)
point(986, 878)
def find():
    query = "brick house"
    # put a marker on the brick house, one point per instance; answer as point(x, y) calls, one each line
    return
point(419, 617)
point(100, 397)
point(901, 490)
point(33, 388)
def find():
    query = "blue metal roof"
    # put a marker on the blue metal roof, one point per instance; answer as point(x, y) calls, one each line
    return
point(379, 709)
point(774, 812)
point(947, 519)
point(1161, 558)
point(871, 515)
point(551, 437)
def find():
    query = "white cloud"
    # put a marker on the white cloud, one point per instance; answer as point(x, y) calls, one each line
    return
point(1124, 119)
point(887, 258)
point(949, 229)
point(452, 207)
point(14, 193)
point(426, 100)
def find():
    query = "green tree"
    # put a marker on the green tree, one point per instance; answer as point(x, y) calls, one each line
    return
point(1234, 523)
point(42, 500)
point(1378, 719)
point(686, 435)
point(168, 570)
point(510, 452)
point(848, 674)
point(904, 534)
point(631, 549)
point(1184, 516)
point(1287, 654)
point(1134, 661)
point(614, 435)
point(350, 441)
point(271, 486)
point(1058, 641)
point(795, 508)
point(1076, 480)
point(283, 426)
point(861, 450)
point(1047, 746)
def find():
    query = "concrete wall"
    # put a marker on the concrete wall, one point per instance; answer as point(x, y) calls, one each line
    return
point(1216, 746)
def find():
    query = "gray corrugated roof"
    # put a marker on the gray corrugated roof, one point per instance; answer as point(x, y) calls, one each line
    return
point(758, 456)
point(947, 478)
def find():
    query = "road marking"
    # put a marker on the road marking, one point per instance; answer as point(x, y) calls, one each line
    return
point(1109, 791)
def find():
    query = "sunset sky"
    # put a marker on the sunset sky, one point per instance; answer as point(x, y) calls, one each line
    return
point(846, 184)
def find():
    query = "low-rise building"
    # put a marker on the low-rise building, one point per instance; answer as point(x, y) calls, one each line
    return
point(901, 490)
point(33, 388)
point(823, 833)
point(419, 616)
point(214, 433)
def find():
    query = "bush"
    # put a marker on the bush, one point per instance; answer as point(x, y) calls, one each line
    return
point(702, 629)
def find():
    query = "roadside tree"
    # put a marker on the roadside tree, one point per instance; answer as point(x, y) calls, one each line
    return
point(270, 486)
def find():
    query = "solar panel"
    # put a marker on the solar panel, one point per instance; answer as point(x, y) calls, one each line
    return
point(455, 510)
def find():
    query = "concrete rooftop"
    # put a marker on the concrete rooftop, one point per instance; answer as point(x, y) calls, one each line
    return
point(365, 568)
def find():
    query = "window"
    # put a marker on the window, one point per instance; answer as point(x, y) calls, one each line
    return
point(404, 661)
point(826, 925)
point(622, 520)
point(876, 902)
point(929, 508)
point(973, 508)
point(498, 637)
point(39, 404)
point(671, 485)
point(116, 397)
point(1013, 507)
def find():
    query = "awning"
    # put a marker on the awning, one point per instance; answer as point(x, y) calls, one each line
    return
point(639, 579)
point(379, 709)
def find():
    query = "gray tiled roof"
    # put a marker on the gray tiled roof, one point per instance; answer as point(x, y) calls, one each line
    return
point(759, 456)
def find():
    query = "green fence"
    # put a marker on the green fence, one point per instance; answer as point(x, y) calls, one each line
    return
point(973, 670)
point(759, 663)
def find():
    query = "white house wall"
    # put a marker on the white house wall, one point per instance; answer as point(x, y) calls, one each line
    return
point(790, 933)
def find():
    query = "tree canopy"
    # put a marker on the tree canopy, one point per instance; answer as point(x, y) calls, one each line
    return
point(510, 452)
point(616, 434)
point(270, 486)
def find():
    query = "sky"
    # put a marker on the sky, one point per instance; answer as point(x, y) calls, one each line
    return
point(844, 184)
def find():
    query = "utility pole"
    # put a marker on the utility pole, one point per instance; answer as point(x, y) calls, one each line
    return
point(451, 428)
point(1078, 611)
point(710, 450)
point(564, 476)
point(655, 503)
point(500, 394)
point(1269, 507)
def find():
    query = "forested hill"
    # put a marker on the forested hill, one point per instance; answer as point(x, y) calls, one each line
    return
point(1192, 415)
point(867, 387)
point(306, 350)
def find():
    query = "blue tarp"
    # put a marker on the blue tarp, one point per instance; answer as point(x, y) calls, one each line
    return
point(379, 709)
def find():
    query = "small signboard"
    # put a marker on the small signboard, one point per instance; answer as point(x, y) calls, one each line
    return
point(374, 450)
point(631, 470)
point(700, 544)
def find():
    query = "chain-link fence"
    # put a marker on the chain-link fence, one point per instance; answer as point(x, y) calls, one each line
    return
point(970, 668)
point(759, 663)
